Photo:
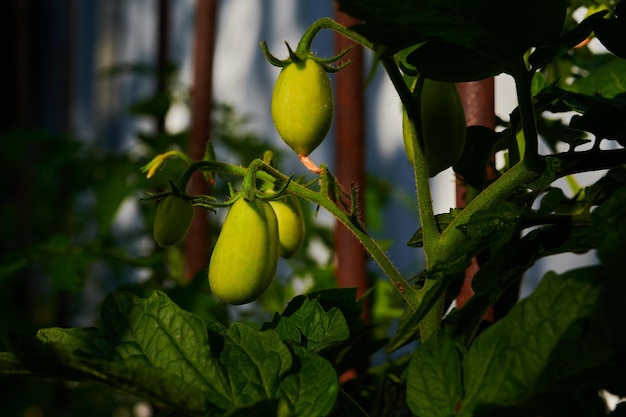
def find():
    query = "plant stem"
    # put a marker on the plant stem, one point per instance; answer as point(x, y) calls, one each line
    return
point(518, 175)
point(327, 23)
point(428, 222)
point(430, 324)
point(523, 79)
point(267, 173)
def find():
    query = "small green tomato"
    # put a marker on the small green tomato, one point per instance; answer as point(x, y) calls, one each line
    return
point(172, 220)
point(290, 225)
point(302, 105)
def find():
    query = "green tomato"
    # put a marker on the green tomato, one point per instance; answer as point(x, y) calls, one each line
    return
point(290, 225)
point(302, 105)
point(443, 126)
point(172, 220)
point(245, 257)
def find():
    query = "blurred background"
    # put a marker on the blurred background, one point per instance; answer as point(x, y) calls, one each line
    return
point(91, 91)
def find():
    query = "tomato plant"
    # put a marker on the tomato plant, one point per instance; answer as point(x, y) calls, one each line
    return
point(550, 354)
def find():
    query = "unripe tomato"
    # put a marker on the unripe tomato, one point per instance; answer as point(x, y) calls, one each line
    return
point(290, 225)
point(172, 220)
point(443, 126)
point(302, 105)
point(245, 256)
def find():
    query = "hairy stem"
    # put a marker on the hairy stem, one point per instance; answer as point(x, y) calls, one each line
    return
point(422, 183)
point(269, 174)
point(327, 23)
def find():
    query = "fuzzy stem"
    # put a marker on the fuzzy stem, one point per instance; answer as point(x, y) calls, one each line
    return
point(327, 23)
point(430, 229)
point(521, 173)
point(269, 174)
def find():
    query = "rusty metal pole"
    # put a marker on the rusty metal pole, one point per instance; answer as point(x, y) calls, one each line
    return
point(197, 241)
point(350, 157)
point(479, 105)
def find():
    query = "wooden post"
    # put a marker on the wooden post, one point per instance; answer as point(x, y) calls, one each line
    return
point(197, 241)
point(350, 157)
point(479, 105)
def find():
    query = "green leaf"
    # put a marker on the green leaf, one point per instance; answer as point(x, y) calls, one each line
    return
point(609, 228)
point(611, 33)
point(314, 328)
point(464, 40)
point(255, 362)
point(11, 365)
point(507, 266)
point(342, 298)
point(312, 391)
point(607, 81)
point(546, 54)
point(434, 379)
point(603, 120)
point(152, 349)
point(262, 408)
point(494, 226)
point(548, 343)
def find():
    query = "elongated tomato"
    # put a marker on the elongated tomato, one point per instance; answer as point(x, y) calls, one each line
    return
point(172, 220)
point(245, 256)
point(302, 105)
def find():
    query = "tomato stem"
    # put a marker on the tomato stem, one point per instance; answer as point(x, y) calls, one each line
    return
point(259, 170)
point(523, 88)
point(422, 183)
point(304, 46)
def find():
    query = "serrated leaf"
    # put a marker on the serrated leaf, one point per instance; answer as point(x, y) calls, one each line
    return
point(464, 40)
point(342, 298)
point(433, 289)
point(506, 267)
point(89, 341)
point(609, 228)
point(607, 81)
point(551, 200)
point(496, 225)
point(11, 365)
point(157, 332)
point(434, 378)
point(611, 33)
point(255, 362)
point(545, 344)
point(320, 329)
point(543, 55)
point(312, 391)
point(153, 349)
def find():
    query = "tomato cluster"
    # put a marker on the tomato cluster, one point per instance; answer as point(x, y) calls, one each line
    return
point(254, 234)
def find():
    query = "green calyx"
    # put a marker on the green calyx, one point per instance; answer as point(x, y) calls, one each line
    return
point(300, 55)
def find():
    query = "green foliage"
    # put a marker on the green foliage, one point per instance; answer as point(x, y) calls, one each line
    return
point(549, 354)
point(153, 349)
